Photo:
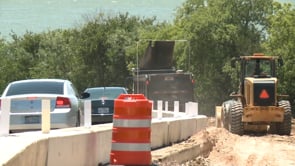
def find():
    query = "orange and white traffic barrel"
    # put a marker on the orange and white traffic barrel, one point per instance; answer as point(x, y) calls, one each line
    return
point(131, 133)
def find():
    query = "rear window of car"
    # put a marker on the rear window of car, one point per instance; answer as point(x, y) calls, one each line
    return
point(42, 87)
point(105, 93)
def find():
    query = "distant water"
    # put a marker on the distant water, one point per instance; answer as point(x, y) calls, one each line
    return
point(36, 16)
point(20, 16)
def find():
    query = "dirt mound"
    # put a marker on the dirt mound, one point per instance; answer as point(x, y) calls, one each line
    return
point(250, 150)
point(247, 150)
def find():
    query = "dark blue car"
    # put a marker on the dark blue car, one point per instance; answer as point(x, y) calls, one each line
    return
point(102, 102)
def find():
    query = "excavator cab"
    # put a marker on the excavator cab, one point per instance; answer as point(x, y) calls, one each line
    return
point(258, 68)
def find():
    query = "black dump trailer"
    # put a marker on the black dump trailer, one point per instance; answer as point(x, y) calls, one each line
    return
point(158, 80)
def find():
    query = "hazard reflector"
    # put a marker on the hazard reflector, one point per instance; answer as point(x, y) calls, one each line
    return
point(264, 94)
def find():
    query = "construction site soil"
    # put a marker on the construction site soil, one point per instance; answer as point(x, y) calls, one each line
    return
point(227, 149)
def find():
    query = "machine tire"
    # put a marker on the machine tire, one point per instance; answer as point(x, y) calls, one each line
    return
point(225, 114)
point(284, 128)
point(236, 125)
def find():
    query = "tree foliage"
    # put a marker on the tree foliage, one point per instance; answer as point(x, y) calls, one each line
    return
point(99, 53)
point(104, 50)
point(281, 42)
point(219, 30)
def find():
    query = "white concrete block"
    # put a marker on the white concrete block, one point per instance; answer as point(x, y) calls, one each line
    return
point(159, 134)
point(174, 130)
point(188, 127)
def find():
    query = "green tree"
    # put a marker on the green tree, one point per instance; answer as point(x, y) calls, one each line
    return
point(103, 51)
point(107, 46)
point(281, 42)
point(16, 59)
point(219, 30)
point(56, 56)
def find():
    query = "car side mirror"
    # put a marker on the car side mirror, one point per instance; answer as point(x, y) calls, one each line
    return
point(85, 95)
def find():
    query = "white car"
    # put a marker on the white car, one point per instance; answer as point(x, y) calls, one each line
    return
point(26, 103)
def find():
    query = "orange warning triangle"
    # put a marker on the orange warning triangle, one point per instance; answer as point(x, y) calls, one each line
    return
point(264, 94)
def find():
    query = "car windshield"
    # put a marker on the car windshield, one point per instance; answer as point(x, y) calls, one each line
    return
point(40, 87)
point(105, 93)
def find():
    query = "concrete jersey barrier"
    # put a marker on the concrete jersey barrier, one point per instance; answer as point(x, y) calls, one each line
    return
point(88, 145)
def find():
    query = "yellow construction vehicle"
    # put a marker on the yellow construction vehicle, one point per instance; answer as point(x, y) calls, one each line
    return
point(256, 107)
